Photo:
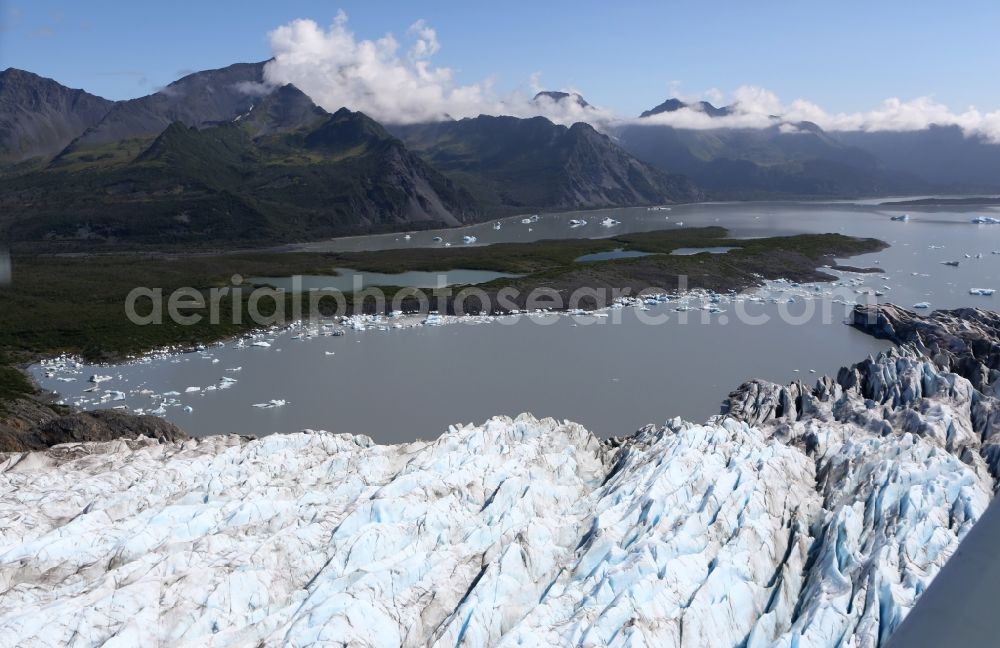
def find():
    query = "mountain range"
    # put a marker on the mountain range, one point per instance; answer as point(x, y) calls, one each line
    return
point(220, 156)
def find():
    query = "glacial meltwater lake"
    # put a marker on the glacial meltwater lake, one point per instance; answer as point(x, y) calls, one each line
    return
point(613, 377)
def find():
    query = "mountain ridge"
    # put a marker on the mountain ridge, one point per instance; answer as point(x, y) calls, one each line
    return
point(40, 116)
point(532, 164)
point(55, 140)
point(673, 105)
point(237, 182)
point(197, 99)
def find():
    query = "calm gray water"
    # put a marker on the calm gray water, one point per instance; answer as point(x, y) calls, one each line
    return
point(610, 255)
point(700, 250)
point(403, 384)
point(744, 220)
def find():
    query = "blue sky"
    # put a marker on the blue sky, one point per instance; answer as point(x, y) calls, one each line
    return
point(844, 56)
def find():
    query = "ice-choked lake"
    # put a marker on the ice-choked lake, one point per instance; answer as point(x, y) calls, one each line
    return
point(612, 374)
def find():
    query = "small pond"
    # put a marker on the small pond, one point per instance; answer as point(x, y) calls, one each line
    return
point(348, 280)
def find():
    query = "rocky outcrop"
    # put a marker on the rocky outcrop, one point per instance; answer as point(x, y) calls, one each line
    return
point(28, 425)
point(965, 341)
point(101, 425)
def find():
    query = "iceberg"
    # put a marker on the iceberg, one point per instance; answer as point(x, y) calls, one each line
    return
point(986, 220)
point(271, 404)
point(984, 292)
point(902, 218)
point(469, 239)
point(609, 222)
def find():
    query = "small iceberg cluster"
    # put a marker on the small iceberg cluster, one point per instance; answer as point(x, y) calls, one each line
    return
point(271, 404)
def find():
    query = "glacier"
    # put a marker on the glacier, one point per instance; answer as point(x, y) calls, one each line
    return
point(802, 516)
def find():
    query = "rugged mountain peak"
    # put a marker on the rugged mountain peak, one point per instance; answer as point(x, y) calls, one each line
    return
point(284, 109)
point(524, 164)
point(347, 129)
point(559, 97)
point(182, 146)
point(673, 105)
point(13, 75)
point(198, 99)
point(39, 116)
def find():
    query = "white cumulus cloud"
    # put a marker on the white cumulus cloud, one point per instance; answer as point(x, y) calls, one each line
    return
point(390, 83)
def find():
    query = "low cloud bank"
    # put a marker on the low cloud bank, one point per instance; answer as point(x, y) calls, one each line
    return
point(754, 107)
point(397, 84)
